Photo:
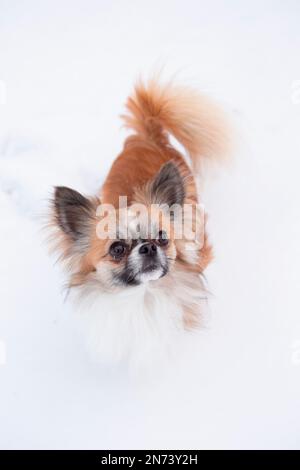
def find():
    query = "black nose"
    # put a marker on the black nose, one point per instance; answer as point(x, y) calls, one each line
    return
point(148, 249)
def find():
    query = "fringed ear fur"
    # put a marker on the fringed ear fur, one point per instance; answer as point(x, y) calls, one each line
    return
point(73, 215)
point(167, 186)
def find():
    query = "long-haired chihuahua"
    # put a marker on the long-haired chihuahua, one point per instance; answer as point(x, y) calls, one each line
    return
point(136, 252)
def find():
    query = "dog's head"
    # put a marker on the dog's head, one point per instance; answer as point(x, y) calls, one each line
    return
point(121, 246)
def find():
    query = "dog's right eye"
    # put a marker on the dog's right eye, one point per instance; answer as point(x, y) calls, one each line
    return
point(117, 250)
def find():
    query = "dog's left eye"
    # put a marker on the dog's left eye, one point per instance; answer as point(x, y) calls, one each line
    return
point(162, 238)
point(117, 250)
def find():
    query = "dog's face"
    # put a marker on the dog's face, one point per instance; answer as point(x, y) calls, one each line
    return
point(142, 247)
point(141, 261)
point(143, 251)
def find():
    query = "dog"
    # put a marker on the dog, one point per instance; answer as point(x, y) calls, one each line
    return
point(140, 285)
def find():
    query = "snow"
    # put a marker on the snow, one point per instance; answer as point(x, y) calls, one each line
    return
point(66, 69)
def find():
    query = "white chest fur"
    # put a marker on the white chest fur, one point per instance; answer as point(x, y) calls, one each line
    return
point(142, 325)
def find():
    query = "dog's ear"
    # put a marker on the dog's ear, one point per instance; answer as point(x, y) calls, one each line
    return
point(167, 186)
point(73, 214)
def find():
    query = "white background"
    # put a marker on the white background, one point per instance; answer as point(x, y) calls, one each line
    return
point(66, 68)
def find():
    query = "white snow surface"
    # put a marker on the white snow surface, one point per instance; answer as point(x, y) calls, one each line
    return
point(66, 68)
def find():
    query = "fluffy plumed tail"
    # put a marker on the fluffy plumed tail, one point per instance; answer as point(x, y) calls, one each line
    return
point(193, 119)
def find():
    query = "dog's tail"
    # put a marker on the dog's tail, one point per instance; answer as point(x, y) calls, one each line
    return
point(194, 120)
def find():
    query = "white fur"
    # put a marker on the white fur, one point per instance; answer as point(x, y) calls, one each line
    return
point(135, 261)
point(151, 275)
point(142, 325)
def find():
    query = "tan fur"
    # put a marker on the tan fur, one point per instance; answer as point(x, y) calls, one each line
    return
point(153, 112)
